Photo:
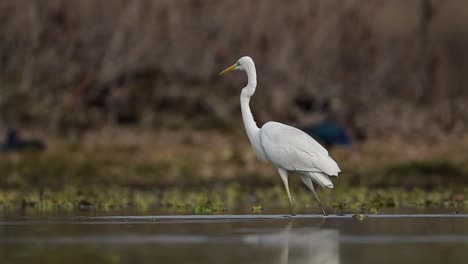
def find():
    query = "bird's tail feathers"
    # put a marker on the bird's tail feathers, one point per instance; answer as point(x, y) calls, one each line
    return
point(321, 179)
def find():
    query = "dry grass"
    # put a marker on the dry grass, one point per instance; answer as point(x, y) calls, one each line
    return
point(385, 67)
point(127, 96)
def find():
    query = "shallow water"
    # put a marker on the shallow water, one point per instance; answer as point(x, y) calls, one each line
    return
point(384, 238)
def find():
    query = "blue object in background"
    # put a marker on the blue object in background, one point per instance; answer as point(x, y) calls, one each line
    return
point(13, 142)
point(329, 132)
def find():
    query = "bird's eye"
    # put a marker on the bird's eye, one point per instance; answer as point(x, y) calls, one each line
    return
point(238, 64)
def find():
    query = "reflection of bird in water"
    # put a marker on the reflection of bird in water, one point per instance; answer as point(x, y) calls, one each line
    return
point(329, 132)
point(284, 253)
point(14, 142)
point(288, 148)
point(303, 245)
point(321, 246)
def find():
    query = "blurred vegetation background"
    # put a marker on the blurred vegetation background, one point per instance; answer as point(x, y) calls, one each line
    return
point(127, 93)
point(385, 68)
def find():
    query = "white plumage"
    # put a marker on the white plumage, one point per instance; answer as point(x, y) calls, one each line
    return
point(292, 149)
point(288, 148)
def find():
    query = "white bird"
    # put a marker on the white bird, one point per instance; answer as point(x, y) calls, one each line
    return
point(288, 148)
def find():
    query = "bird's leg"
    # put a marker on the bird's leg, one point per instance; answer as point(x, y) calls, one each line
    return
point(320, 202)
point(284, 176)
point(308, 181)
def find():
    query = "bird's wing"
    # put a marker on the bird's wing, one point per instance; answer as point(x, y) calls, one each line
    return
point(292, 149)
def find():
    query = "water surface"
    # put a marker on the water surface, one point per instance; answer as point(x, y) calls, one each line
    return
point(385, 238)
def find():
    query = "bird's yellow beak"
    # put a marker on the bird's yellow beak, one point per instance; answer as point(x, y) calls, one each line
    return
point(230, 69)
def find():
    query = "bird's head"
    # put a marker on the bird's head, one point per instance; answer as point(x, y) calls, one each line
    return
point(242, 64)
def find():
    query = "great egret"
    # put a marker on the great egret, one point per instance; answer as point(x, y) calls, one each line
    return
point(288, 148)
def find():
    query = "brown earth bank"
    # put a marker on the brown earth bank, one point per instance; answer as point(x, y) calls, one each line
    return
point(141, 159)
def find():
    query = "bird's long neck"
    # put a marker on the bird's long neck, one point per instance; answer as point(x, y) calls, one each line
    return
point(249, 123)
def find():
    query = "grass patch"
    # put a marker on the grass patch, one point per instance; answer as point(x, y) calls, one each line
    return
point(222, 176)
point(230, 199)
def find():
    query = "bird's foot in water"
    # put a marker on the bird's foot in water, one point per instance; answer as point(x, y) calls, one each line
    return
point(293, 213)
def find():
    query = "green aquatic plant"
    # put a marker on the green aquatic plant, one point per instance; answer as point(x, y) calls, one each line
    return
point(256, 209)
point(360, 217)
point(209, 208)
point(230, 198)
